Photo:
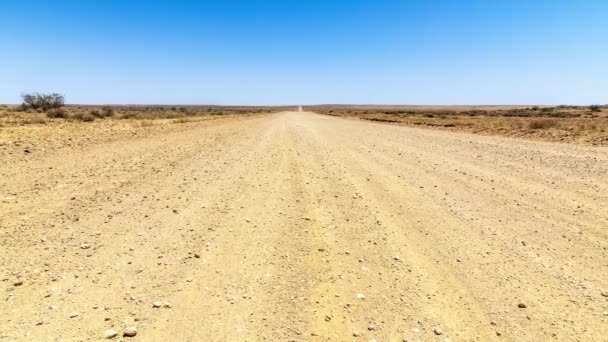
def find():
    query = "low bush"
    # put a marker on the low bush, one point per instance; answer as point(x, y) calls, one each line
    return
point(85, 117)
point(107, 112)
point(57, 113)
point(595, 108)
point(128, 115)
point(95, 113)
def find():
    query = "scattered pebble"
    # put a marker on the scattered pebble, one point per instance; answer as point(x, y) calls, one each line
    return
point(18, 283)
point(157, 304)
point(85, 246)
point(110, 333)
point(73, 314)
point(130, 332)
point(438, 331)
point(360, 296)
point(522, 305)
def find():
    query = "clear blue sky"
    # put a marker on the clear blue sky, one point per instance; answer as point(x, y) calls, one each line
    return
point(306, 51)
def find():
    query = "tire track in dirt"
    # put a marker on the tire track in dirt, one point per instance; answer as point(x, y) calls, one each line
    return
point(421, 185)
point(435, 299)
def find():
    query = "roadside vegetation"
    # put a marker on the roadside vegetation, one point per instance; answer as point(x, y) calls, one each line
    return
point(583, 124)
point(49, 109)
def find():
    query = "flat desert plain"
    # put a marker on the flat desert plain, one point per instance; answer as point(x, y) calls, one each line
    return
point(296, 226)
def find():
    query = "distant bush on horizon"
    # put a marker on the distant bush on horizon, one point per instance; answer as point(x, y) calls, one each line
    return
point(43, 102)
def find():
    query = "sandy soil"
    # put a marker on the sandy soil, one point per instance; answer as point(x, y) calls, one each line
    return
point(303, 227)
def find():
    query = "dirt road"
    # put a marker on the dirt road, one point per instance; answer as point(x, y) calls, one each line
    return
point(304, 227)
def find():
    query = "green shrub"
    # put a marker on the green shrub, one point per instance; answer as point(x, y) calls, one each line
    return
point(43, 101)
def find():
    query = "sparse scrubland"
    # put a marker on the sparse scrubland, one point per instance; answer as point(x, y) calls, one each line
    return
point(580, 124)
point(30, 128)
point(571, 124)
point(19, 115)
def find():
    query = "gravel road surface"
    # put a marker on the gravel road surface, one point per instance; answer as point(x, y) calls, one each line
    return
point(302, 227)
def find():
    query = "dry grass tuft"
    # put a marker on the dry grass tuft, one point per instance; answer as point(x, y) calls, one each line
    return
point(542, 124)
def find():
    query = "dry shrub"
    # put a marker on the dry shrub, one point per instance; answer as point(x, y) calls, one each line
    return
point(85, 117)
point(95, 113)
point(595, 108)
point(128, 115)
point(107, 112)
point(541, 124)
point(58, 113)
